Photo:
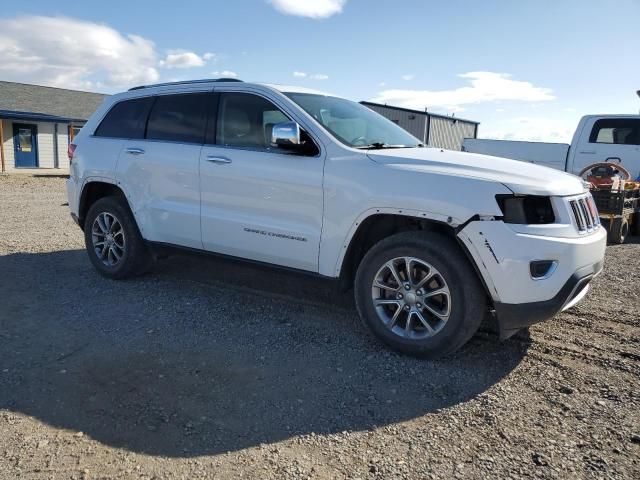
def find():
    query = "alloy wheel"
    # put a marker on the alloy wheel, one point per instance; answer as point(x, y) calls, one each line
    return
point(411, 298)
point(108, 239)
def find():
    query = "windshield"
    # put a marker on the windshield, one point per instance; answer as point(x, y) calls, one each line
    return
point(354, 124)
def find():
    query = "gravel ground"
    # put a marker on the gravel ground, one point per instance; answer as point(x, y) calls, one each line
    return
point(206, 369)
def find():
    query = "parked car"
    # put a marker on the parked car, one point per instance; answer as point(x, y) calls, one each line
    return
point(431, 240)
point(598, 138)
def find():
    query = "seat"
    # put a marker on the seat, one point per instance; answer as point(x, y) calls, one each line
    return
point(238, 130)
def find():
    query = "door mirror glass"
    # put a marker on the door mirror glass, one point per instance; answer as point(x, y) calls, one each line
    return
point(286, 135)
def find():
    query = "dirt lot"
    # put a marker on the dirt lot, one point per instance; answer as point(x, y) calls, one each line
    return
point(205, 369)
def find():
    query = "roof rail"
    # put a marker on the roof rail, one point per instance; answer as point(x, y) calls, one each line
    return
point(186, 82)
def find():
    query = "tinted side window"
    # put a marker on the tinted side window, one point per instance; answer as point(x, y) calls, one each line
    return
point(179, 118)
point(620, 131)
point(126, 119)
point(246, 120)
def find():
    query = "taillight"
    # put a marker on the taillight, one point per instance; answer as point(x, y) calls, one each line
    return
point(71, 149)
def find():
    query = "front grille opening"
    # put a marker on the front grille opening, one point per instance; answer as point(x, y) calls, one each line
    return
point(585, 214)
point(529, 210)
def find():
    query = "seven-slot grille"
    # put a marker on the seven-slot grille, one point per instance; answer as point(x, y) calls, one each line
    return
point(585, 213)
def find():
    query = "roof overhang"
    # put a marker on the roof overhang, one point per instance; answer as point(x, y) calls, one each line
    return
point(419, 112)
point(37, 117)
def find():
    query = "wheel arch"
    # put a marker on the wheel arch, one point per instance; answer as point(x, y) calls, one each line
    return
point(379, 223)
point(94, 190)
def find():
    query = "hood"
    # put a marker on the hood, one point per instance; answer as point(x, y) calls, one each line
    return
point(520, 177)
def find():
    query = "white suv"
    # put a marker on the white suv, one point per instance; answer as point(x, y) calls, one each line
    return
point(431, 240)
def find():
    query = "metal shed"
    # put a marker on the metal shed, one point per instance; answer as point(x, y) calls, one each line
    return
point(435, 130)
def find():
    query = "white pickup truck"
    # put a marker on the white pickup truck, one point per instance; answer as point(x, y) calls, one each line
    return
point(598, 138)
point(432, 240)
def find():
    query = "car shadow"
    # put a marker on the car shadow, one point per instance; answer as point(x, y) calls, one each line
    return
point(203, 356)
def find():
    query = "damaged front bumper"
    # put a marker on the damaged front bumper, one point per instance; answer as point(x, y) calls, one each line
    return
point(503, 258)
point(516, 316)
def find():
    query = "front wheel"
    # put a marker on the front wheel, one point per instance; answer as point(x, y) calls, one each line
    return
point(417, 292)
point(114, 244)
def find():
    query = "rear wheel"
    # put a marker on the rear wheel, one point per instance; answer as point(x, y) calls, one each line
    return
point(114, 244)
point(417, 293)
point(618, 230)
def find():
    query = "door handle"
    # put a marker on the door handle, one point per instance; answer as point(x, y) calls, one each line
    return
point(134, 151)
point(589, 152)
point(220, 160)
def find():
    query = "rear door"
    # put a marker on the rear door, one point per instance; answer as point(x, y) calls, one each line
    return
point(610, 140)
point(160, 168)
point(258, 201)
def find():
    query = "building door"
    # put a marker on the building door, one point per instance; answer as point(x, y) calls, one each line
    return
point(25, 145)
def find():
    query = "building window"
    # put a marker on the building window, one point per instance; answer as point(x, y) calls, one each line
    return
point(73, 131)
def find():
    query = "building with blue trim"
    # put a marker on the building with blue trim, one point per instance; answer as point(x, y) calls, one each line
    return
point(37, 124)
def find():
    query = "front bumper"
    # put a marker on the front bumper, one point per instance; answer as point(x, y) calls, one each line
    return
point(516, 316)
point(503, 256)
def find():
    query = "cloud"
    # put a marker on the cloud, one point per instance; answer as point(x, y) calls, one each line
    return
point(484, 87)
point(72, 53)
point(312, 76)
point(209, 56)
point(225, 74)
point(182, 59)
point(533, 129)
point(408, 77)
point(309, 8)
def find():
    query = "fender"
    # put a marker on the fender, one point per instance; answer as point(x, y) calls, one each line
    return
point(419, 214)
point(110, 181)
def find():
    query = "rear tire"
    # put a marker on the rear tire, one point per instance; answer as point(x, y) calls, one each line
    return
point(114, 244)
point(415, 318)
point(618, 230)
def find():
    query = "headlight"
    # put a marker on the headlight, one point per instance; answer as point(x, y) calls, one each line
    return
point(526, 210)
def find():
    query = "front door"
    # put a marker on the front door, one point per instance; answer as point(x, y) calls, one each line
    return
point(25, 145)
point(259, 202)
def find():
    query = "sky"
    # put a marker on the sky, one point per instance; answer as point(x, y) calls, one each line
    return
point(526, 69)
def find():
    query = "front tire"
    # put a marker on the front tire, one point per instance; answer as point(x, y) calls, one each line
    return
point(114, 244)
point(417, 292)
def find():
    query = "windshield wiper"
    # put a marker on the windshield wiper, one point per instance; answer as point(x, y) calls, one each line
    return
point(381, 145)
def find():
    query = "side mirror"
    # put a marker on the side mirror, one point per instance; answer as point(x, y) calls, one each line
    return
point(286, 135)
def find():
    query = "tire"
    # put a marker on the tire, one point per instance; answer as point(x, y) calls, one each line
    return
point(618, 230)
point(110, 224)
point(636, 224)
point(453, 316)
